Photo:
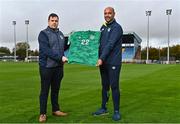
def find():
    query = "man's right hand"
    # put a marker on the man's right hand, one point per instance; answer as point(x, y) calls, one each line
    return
point(64, 59)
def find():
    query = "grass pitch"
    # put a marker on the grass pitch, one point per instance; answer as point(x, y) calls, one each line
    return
point(149, 93)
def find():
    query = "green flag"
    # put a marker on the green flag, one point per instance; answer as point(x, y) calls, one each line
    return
point(84, 47)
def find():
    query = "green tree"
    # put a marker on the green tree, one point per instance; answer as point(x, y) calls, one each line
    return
point(175, 52)
point(143, 53)
point(34, 53)
point(153, 53)
point(21, 50)
point(164, 52)
point(5, 51)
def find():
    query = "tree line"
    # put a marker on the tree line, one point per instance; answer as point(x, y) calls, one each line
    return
point(20, 51)
point(161, 53)
point(154, 53)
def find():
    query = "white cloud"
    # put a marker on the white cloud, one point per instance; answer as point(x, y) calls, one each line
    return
point(85, 15)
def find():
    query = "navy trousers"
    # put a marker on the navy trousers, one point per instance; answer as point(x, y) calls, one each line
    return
point(110, 79)
point(50, 77)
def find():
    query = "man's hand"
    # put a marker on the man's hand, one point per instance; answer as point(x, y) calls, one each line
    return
point(99, 62)
point(64, 59)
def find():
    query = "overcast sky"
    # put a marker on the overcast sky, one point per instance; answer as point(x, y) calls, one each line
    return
point(84, 15)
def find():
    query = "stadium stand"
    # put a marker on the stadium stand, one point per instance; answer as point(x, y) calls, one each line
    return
point(131, 47)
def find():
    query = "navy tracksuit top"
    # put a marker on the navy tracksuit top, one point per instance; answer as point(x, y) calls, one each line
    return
point(111, 43)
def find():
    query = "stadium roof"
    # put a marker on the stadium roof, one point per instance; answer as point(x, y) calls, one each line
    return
point(128, 37)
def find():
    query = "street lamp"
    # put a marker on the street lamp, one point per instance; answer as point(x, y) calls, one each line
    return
point(14, 23)
point(27, 23)
point(168, 13)
point(148, 13)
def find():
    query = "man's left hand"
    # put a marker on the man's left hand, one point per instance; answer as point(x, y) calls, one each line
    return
point(99, 62)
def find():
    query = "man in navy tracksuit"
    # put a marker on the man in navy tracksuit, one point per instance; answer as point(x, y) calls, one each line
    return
point(109, 62)
point(51, 60)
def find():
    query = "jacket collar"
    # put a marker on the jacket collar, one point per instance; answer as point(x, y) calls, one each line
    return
point(110, 23)
point(53, 30)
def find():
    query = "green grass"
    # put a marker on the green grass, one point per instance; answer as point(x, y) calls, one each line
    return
point(149, 93)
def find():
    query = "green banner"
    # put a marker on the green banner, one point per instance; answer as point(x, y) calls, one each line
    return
point(84, 47)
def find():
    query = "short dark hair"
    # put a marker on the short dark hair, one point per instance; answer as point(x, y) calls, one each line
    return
point(53, 15)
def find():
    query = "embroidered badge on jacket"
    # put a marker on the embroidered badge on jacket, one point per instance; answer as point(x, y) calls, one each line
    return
point(61, 37)
point(109, 29)
point(113, 67)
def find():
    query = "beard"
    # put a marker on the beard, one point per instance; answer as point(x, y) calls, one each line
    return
point(108, 19)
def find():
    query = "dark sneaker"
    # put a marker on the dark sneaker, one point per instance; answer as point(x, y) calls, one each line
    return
point(101, 111)
point(116, 116)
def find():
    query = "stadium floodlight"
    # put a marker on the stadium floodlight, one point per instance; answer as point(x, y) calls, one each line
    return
point(148, 13)
point(159, 54)
point(14, 23)
point(27, 23)
point(168, 13)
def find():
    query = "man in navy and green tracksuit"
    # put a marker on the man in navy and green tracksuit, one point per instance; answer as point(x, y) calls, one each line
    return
point(109, 62)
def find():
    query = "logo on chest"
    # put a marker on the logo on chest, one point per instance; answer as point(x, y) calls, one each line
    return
point(61, 37)
point(109, 29)
point(102, 29)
